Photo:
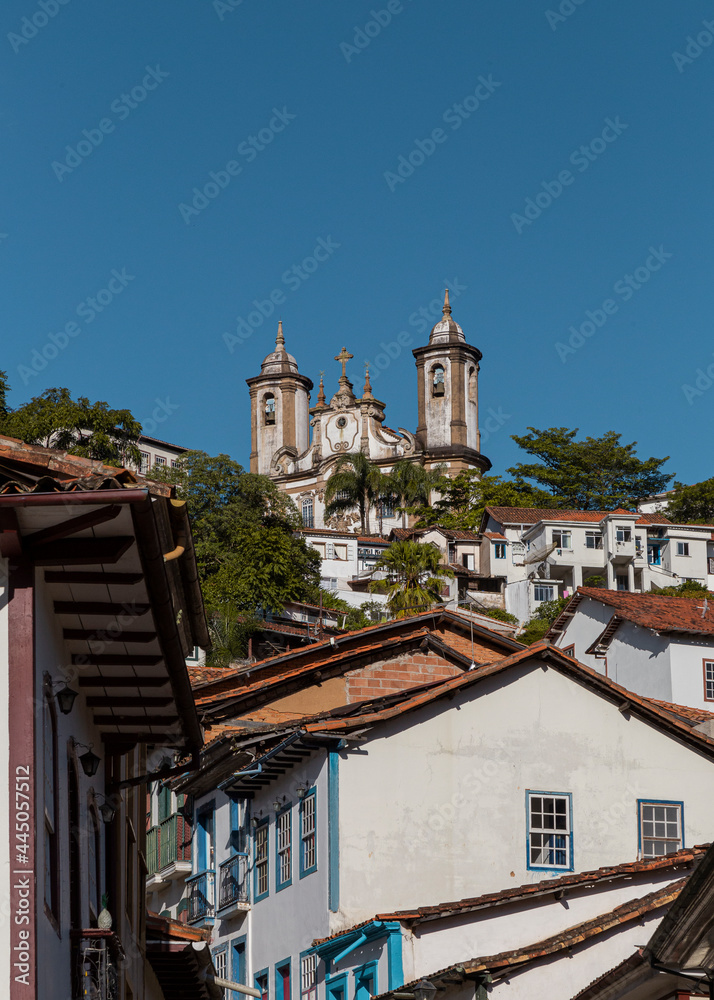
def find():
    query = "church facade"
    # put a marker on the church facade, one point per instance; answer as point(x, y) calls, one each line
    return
point(299, 445)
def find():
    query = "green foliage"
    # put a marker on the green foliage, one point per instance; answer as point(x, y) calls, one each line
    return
point(229, 634)
point(500, 615)
point(592, 474)
point(687, 588)
point(4, 389)
point(78, 426)
point(544, 616)
point(249, 559)
point(465, 497)
point(415, 577)
point(411, 484)
point(356, 484)
point(692, 504)
point(594, 581)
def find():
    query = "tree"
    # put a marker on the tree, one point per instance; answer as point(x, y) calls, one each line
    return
point(355, 483)
point(249, 558)
point(415, 577)
point(465, 497)
point(592, 474)
point(692, 504)
point(4, 389)
point(78, 426)
point(410, 483)
point(537, 626)
point(501, 616)
point(687, 588)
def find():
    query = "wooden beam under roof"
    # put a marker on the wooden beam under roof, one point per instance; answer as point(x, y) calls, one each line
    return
point(80, 551)
point(64, 528)
point(93, 634)
point(100, 608)
point(122, 682)
point(92, 576)
point(116, 660)
point(135, 720)
point(127, 701)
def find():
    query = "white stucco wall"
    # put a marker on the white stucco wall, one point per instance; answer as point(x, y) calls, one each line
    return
point(687, 671)
point(582, 630)
point(453, 821)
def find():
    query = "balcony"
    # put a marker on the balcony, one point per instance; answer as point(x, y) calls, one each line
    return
point(201, 895)
point(168, 850)
point(233, 885)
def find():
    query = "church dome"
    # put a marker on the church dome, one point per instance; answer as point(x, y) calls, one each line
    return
point(447, 330)
point(279, 362)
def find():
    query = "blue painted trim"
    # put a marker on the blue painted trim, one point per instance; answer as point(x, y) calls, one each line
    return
point(359, 940)
point(333, 829)
point(313, 868)
point(278, 884)
point(334, 983)
point(570, 845)
point(235, 830)
point(365, 977)
point(256, 895)
point(238, 959)
point(657, 802)
point(262, 974)
point(395, 968)
point(279, 967)
point(207, 809)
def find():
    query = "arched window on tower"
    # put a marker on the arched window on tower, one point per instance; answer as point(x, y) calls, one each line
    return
point(308, 516)
point(270, 408)
point(473, 390)
point(437, 381)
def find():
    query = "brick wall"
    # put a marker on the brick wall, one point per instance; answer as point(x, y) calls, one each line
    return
point(388, 676)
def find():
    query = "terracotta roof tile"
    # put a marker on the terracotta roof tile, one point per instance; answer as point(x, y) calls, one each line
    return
point(532, 515)
point(660, 613)
point(694, 715)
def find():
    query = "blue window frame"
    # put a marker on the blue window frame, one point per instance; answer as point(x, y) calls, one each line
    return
point(239, 826)
point(204, 837)
point(308, 834)
point(284, 847)
point(660, 827)
point(549, 845)
point(220, 961)
point(336, 987)
point(308, 975)
point(282, 980)
point(238, 966)
point(499, 550)
point(261, 861)
point(365, 981)
point(261, 983)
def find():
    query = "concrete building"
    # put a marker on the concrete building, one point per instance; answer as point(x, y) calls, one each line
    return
point(298, 445)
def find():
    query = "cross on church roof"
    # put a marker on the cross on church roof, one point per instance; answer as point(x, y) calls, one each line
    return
point(344, 357)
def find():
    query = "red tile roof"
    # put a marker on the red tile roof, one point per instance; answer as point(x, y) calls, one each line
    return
point(685, 858)
point(499, 965)
point(532, 515)
point(685, 712)
point(660, 613)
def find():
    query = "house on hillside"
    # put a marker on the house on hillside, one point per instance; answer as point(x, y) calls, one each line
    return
point(545, 554)
point(661, 647)
point(319, 820)
point(99, 608)
point(348, 561)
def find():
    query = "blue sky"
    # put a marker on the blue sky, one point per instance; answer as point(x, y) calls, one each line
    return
point(305, 114)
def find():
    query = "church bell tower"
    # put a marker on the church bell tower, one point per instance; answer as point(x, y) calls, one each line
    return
point(447, 376)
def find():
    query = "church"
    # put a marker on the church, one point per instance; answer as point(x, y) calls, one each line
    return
point(298, 445)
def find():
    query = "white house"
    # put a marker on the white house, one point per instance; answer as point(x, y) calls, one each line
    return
point(348, 562)
point(542, 554)
point(660, 647)
point(529, 767)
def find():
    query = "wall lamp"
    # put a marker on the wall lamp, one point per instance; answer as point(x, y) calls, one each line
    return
point(302, 790)
point(256, 820)
point(107, 810)
point(424, 990)
point(279, 802)
point(89, 760)
point(65, 697)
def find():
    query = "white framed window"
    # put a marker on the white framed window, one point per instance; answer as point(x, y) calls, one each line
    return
point(623, 533)
point(543, 592)
point(174, 463)
point(160, 460)
point(308, 515)
point(308, 828)
point(499, 550)
point(329, 583)
point(145, 462)
point(260, 860)
point(308, 977)
point(219, 963)
point(709, 680)
point(518, 553)
point(661, 829)
point(682, 548)
point(593, 540)
point(284, 833)
point(549, 830)
point(562, 539)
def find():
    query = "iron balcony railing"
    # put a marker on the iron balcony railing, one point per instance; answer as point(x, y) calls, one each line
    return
point(233, 881)
point(168, 843)
point(201, 896)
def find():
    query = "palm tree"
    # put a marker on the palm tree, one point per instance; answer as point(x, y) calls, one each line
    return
point(355, 483)
point(409, 482)
point(415, 577)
